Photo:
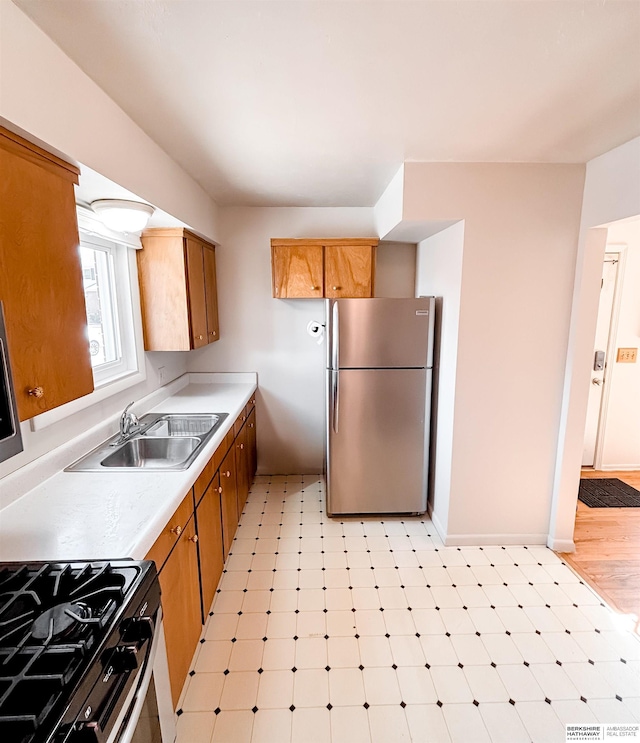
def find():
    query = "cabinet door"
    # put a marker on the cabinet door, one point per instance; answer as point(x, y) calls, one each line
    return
point(228, 500)
point(41, 279)
point(209, 523)
point(242, 468)
point(196, 293)
point(162, 274)
point(252, 455)
point(211, 293)
point(297, 271)
point(349, 270)
point(180, 586)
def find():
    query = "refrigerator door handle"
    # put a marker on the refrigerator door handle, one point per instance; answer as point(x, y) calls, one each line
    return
point(335, 339)
point(335, 383)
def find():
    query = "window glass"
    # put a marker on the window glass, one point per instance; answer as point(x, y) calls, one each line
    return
point(101, 302)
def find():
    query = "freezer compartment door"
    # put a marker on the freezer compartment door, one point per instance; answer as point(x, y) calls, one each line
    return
point(380, 333)
point(377, 440)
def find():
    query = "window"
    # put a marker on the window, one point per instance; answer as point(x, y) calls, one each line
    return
point(101, 303)
point(107, 293)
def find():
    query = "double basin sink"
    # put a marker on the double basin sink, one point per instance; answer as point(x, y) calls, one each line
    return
point(161, 441)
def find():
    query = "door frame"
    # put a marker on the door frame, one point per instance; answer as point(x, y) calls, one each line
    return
point(619, 250)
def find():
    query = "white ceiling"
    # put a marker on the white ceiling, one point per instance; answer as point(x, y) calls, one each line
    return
point(317, 102)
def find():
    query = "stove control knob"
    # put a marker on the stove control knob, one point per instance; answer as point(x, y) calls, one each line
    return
point(137, 630)
point(124, 659)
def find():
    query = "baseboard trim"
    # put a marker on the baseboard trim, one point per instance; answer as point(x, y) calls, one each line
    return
point(618, 468)
point(561, 545)
point(481, 540)
point(436, 522)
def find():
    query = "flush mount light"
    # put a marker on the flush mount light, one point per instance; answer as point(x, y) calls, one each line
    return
point(121, 215)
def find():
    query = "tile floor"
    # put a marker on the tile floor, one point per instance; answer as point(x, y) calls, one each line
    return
point(370, 631)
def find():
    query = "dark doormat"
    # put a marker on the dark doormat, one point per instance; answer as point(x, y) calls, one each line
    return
point(608, 493)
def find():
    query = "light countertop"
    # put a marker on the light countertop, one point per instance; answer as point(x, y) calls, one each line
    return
point(95, 515)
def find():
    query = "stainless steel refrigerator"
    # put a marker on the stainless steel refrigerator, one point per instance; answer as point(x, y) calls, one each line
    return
point(378, 395)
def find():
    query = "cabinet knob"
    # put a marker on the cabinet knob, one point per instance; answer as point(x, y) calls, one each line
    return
point(177, 530)
point(194, 539)
point(335, 288)
point(314, 288)
point(212, 332)
point(36, 392)
point(200, 337)
point(219, 489)
point(242, 446)
point(227, 473)
point(251, 425)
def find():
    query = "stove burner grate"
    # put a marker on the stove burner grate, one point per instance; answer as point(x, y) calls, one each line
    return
point(60, 621)
point(53, 620)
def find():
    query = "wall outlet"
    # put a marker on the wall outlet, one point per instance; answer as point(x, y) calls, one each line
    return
point(162, 374)
point(627, 355)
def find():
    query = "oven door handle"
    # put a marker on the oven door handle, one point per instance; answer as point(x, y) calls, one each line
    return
point(136, 698)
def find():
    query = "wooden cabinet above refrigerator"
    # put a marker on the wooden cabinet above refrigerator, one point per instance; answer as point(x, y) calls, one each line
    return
point(316, 268)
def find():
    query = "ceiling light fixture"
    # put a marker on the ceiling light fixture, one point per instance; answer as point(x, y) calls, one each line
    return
point(121, 215)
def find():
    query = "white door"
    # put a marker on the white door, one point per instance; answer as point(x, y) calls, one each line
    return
point(599, 361)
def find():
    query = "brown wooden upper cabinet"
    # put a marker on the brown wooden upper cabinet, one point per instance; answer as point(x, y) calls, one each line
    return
point(41, 277)
point(177, 274)
point(323, 268)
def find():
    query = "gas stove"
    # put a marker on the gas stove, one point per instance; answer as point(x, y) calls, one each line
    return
point(73, 640)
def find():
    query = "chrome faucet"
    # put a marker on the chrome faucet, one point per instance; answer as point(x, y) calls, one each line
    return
point(129, 425)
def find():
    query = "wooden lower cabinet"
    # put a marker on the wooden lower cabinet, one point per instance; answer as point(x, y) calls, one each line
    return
point(252, 445)
point(180, 584)
point(209, 523)
point(191, 550)
point(246, 458)
point(228, 500)
point(242, 468)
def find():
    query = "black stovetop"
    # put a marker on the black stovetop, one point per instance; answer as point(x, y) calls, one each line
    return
point(56, 619)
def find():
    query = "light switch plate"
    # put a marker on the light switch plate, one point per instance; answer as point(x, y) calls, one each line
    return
point(627, 355)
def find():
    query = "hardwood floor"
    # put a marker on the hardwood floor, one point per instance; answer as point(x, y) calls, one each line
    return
point(607, 552)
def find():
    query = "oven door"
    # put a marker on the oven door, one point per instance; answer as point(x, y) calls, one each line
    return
point(147, 714)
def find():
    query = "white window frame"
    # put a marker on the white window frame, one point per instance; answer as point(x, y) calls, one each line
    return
point(119, 278)
point(113, 377)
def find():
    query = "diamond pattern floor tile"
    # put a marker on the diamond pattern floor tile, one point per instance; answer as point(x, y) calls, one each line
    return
point(369, 629)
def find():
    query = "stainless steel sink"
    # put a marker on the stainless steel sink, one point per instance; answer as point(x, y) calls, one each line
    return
point(162, 442)
point(182, 425)
point(152, 453)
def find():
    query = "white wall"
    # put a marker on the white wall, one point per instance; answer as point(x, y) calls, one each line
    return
point(395, 269)
point(611, 192)
point(388, 210)
point(621, 445)
point(439, 274)
point(45, 94)
point(259, 333)
point(520, 239)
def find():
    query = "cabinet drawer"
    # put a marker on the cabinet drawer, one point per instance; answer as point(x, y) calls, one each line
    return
point(240, 421)
point(205, 477)
point(169, 536)
point(202, 483)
